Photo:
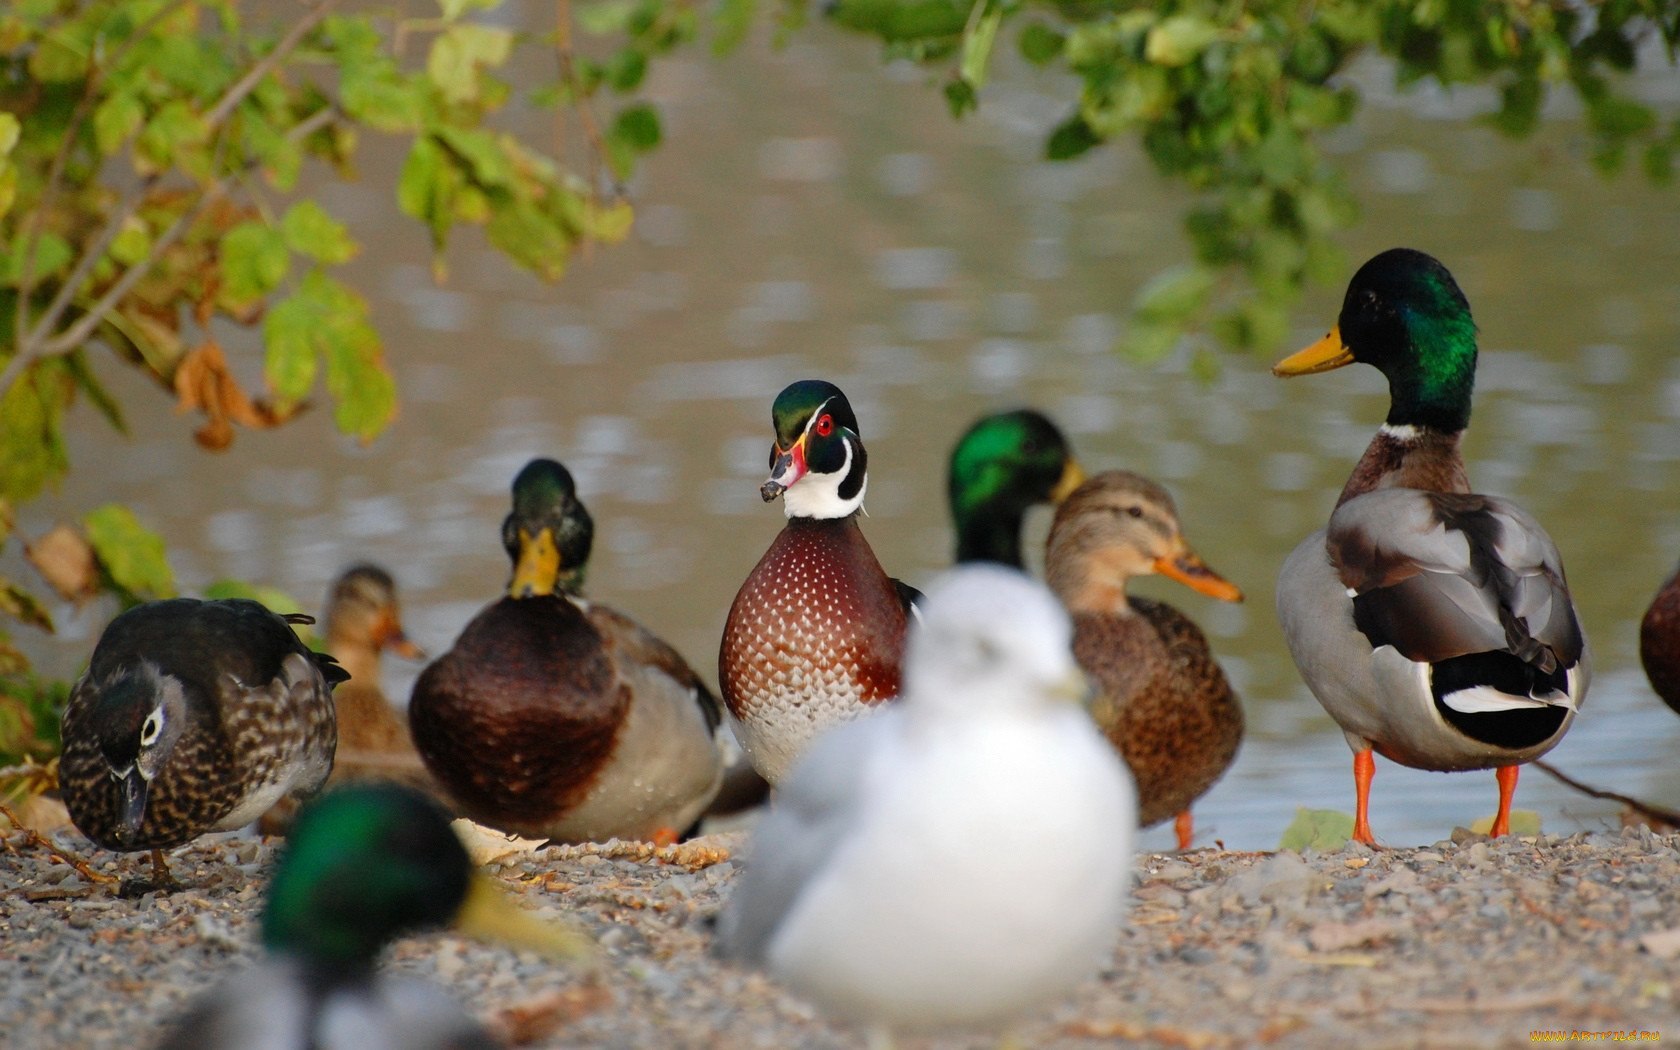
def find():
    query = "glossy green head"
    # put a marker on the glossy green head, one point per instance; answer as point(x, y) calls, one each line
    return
point(1405, 315)
point(364, 865)
point(1001, 467)
point(549, 532)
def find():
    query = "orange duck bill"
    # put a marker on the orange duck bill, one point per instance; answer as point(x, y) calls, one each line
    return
point(1189, 569)
point(786, 468)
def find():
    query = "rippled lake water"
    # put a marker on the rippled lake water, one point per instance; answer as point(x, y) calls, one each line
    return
point(812, 214)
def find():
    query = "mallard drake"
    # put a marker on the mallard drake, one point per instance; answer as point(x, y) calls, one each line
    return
point(561, 718)
point(365, 864)
point(961, 857)
point(1433, 623)
point(1003, 466)
point(1659, 642)
point(816, 633)
point(1159, 695)
point(194, 716)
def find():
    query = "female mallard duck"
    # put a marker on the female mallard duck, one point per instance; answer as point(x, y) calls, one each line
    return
point(559, 718)
point(962, 857)
point(1659, 642)
point(363, 621)
point(1159, 695)
point(194, 716)
point(1002, 467)
point(365, 864)
point(1434, 624)
point(816, 633)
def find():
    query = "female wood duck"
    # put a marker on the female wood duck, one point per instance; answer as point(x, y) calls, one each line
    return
point(366, 864)
point(1659, 642)
point(561, 718)
point(1159, 695)
point(1434, 624)
point(1002, 467)
point(816, 633)
point(194, 716)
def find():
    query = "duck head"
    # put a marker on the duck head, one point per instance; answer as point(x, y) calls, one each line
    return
point(363, 611)
point(138, 719)
point(1004, 465)
point(1404, 315)
point(817, 465)
point(1115, 526)
point(549, 533)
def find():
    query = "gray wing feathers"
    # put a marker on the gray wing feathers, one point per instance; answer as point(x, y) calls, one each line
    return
point(809, 816)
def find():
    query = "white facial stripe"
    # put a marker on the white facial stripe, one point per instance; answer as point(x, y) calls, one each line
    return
point(1402, 432)
point(811, 422)
point(818, 495)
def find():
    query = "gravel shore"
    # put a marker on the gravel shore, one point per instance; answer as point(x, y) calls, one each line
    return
point(1471, 943)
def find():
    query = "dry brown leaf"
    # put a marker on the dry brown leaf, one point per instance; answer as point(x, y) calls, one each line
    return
point(65, 559)
point(203, 381)
point(541, 1016)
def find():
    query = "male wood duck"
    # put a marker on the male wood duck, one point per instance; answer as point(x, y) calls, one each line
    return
point(366, 864)
point(556, 717)
point(1659, 642)
point(194, 716)
point(1158, 694)
point(960, 858)
point(1433, 623)
point(816, 633)
point(1003, 466)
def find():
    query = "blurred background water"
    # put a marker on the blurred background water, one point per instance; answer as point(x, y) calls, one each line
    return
point(812, 213)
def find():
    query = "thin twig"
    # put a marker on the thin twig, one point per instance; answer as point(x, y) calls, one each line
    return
point(35, 838)
point(1667, 816)
point(37, 346)
point(90, 258)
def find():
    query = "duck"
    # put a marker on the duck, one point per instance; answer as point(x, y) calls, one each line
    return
point(1005, 464)
point(1659, 642)
point(366, 863)
point(1158, 694)
point(955, 859)
point(815, 634)
point(1433, 623)
point(194, 717)
point(557, 717)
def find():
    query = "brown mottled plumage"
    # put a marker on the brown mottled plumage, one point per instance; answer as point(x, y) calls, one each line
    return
point(559, 718)
point(815, 635)
point(1659, 642)
point(1159, 695)
point(194, 716)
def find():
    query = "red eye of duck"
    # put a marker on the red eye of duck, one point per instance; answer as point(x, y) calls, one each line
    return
point(825, 426)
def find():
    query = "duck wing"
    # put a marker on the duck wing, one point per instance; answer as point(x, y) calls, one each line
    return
point(633, 642)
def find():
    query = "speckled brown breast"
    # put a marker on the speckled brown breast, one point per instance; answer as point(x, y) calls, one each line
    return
point(1659, 643)
point(520, 717)
point(1163, 702)
point(815, 636)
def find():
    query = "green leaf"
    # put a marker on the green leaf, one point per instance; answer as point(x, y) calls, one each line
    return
point(638, 127)
point(254, 260)
point(52, 255)
point(9, 131)
point(960, 96)
point(57, 59)
point(1070, 139)
point(1040, 44)
point(460, 53)
point(453, 9)
point(131, 554)
point(1172, 296)
point(1525, 823)
point(732, 20)
point(1317, 829)
point(76, 364)
point(379, 95)
point(174, 132)
point(275, 599)
point(324, 317)
point(23, 607)
point(309, 230)
point(1179, 40)
point(625, 70)
point(32, 453)
point(978, 40)
point(115, 119)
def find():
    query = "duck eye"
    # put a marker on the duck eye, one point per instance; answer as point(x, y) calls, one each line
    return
point(825, 426)
point(149, 732)
point(1135, 511)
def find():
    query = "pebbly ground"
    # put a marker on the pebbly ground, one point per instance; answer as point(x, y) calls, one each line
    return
point(1468, 944)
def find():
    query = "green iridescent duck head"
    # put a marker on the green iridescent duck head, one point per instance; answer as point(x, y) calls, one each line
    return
point(1405, 315)
point(1004, 465)
point(549, 533)
point(818, 464)
point(372, 862)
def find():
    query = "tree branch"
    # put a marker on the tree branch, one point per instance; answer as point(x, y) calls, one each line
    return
point(37, 345)
point(1645, 809)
